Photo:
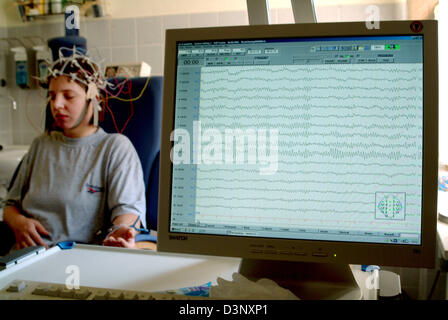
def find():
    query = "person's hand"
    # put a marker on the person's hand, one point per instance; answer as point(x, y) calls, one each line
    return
point(27, 232)
point(124, 236)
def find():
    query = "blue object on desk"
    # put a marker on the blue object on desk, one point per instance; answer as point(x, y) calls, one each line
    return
point(65, 245)
point(369, 268)
point(443, 186)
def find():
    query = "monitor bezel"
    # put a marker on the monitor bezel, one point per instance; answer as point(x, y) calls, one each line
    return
point(307, 250)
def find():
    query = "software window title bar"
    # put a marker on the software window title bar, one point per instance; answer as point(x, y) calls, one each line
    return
point(224, 42)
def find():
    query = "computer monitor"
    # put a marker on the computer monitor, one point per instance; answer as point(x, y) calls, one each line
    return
point(310, 144)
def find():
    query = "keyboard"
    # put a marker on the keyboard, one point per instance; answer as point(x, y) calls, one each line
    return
point(33, 290)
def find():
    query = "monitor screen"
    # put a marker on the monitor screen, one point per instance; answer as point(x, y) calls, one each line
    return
point(301, 142)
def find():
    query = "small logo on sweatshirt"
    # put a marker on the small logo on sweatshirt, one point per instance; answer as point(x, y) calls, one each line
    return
point(94, 189)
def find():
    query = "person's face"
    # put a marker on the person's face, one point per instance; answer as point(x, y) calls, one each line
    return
point(67, 102)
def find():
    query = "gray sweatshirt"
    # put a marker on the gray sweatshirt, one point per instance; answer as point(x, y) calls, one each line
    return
point(77, 186)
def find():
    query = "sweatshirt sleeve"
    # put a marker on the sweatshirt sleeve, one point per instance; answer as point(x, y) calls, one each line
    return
point(126, 188)
point(21, 182)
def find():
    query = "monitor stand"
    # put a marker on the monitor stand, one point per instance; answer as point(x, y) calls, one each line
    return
point(308, 281)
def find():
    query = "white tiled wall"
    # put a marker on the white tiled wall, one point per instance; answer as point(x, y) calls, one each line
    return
point(5, 104)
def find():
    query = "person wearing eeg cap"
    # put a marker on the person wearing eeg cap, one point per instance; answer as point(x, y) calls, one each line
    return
point(76, 183)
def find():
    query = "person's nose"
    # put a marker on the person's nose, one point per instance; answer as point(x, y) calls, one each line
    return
point(58, 102)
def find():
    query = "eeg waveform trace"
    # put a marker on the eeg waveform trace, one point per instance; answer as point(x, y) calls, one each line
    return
point(349, 146)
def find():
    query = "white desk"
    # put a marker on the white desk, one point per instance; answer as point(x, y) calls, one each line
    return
point(126, 269)
point(442, 230)
point(117, 268)
point(442, 238)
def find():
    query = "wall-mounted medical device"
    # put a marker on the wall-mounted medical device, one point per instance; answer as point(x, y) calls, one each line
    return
point(43, 56)
point(21, 67)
